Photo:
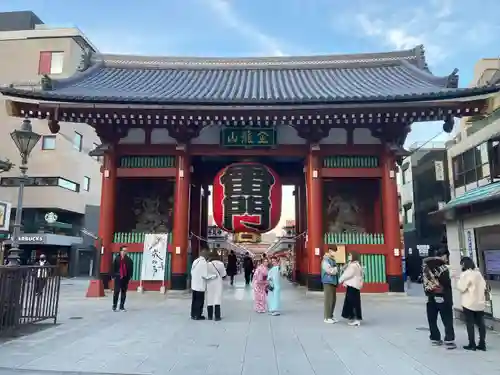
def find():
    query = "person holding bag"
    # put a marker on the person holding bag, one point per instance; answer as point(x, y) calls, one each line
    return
point(473, 289)
point(330, 280)
point(352, 279)
point(274, 288)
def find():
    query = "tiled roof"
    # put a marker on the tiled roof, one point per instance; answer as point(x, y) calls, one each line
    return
point(392, 76)
point(477, 195)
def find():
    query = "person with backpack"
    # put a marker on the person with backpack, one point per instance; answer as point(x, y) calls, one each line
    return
point(438, 289)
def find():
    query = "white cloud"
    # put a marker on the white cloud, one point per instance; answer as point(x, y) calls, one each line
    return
point(225, 11)
point(446, 28)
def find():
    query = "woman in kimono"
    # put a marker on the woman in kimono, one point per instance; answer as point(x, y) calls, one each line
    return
point(274, 287)
point(260, 287)
point(216, 273)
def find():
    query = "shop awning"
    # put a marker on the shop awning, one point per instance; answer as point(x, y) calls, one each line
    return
point(477, 195)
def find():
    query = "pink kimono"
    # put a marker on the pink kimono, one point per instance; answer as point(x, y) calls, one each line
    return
point(259, 289)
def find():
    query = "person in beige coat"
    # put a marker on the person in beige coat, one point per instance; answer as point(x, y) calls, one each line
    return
point(352, 279)
point(472, 287)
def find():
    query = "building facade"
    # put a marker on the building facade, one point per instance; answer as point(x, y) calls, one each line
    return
point(63, 178)
point(424, 188)
point(473, 213)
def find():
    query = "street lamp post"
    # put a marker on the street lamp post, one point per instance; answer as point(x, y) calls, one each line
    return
point(24, 139)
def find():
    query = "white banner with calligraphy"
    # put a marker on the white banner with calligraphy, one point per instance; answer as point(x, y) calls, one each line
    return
point(154, 257)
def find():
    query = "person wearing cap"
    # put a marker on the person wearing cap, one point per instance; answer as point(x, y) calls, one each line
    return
point(42, 275)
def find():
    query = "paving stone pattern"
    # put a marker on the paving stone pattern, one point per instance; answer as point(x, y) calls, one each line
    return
point(156, 336)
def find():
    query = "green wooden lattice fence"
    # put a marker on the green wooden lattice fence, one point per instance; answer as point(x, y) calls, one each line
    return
point(132, 237)
point(147, 162)
point(354, 238)
point(351, 161)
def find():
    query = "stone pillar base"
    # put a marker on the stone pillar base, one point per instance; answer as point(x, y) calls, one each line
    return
point(314, 283)
point(396, 283)
point(178, 281)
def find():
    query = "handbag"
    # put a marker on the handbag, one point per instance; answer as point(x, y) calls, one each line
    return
point(487, 293)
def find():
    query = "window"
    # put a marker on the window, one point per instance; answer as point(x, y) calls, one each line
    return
point(86, 183)
point(67, 184)
point(98, 158)
point(77, 141)
point(41, 181)
point(471, 166)
point(408, 215)
point(49, 142)
point(50, 62)
point(406, 175)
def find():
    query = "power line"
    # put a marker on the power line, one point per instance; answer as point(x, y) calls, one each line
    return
point(423, 144)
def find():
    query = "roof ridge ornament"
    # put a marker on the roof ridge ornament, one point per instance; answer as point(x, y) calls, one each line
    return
point(452, 82)
point(420, 56)
point(85, 60)
point(46, 83)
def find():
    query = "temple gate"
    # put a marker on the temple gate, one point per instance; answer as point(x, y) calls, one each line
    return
point(332, 126)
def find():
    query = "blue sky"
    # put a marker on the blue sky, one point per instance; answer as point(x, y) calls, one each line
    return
point(456, 33)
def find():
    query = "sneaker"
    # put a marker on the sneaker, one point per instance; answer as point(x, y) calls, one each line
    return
point(470, 347)
point(436, 342)
point(450, 345)
point(275, 313)
point(114, 309)
point(122, 309)
point(329, 321)
point(334, 320)
point(354, 323)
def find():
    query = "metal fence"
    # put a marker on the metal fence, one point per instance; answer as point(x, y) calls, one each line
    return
point(28, 294)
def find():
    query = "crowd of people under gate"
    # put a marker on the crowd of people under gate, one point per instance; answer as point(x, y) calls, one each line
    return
point(266, 283)
point(208, 273)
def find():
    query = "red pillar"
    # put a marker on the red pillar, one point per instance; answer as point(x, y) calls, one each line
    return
point(390, 213)
point(314, 220)
point(303, 264)
point(195, 219)
point(298, 230)
point(178, 279)
point(204, 216)
point(106, 223)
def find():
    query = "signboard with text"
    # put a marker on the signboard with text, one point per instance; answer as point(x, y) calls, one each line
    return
point(248, 138)
point(4, 216)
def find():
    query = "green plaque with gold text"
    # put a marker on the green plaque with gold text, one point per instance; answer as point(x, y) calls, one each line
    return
point(248, 138)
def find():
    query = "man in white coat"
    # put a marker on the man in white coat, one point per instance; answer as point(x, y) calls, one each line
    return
point(199, 277)
point(216, 272)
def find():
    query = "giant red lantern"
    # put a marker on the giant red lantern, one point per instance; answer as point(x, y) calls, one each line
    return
point(247, 198)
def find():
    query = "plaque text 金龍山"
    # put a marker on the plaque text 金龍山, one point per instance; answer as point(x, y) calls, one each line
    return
point(231, 137)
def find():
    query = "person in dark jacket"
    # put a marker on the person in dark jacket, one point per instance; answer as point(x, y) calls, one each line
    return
point(231, 267)
point(123, 268)
point(247, 268)
point(438, 289)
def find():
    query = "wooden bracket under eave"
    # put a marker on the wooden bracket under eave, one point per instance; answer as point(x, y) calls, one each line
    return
point(13, 109)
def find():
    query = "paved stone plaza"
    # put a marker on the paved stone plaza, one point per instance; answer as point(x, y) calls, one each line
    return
point(156, 336)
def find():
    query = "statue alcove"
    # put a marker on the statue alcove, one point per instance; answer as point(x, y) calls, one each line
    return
point(144, 205)
point(351, 205)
